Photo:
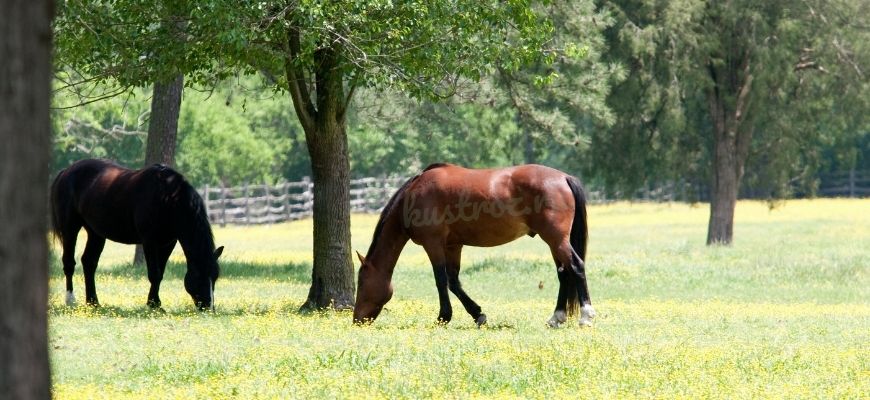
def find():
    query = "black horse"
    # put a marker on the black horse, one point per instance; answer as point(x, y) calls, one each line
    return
point(153, 206)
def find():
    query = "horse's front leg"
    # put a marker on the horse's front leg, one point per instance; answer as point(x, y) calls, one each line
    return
point(90, 258)
point(156, 257)
point(446, 312)
point(454, 254)
point(439, 268)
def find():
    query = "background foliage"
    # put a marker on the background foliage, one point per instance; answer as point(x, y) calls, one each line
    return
point(612, 113)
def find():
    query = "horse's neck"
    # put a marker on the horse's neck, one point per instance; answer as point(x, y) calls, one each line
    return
point(390, 244)
point(196, 241)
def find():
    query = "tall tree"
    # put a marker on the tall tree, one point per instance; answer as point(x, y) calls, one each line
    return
point(322, 51)
point(563, 100)
point(25, 76)
point(124, 45)
point(726, 70)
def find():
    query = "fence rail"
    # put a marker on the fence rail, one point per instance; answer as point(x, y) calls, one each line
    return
point(852, 183)
point(288, 201)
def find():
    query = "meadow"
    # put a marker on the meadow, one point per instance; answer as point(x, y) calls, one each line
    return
point(784, 312)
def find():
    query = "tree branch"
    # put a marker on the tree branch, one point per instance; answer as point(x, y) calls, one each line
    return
point(296, 83)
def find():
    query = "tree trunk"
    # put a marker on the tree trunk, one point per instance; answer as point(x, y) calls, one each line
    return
point(25, 51)
point(528, 141)
point(730, 144)
point(723, 196)
point(324, 122)
point(332, 283)
point(162, 131)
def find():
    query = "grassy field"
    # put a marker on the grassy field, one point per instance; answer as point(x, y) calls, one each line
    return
point(785, 312)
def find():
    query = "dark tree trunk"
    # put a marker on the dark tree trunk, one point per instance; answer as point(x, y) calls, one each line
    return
point(162, 131)
point(728, 102)
point(25, 77)
point(323, 118)
point(723, 196)
point(332, 283)
point(528, 140)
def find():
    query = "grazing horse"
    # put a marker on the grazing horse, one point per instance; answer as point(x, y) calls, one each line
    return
point(447, 207)
point(153, 206)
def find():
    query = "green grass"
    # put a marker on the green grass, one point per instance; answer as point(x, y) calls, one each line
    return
point(782, 313)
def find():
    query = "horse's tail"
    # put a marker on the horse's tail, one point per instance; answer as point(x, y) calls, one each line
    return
point(578, 238)
point(56, 212)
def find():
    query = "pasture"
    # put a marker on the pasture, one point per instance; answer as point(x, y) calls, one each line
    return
point(782, 313)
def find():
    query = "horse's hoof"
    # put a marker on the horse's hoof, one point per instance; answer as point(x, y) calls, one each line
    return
point(558, 318)
point(481, 320)
point(584, 322)
point(587, 312)
point(70, 299)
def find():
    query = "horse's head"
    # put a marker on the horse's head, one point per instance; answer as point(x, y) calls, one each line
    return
point(199, 282)
point(373, 291)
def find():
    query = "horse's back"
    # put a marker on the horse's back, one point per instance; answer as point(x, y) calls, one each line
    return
point(494, 182)
point(111, 200)
point(487, 207)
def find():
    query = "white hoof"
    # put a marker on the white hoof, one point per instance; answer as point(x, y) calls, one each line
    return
point(70, 299)
point(558, 318)
point(587, 311)
point(586, 315)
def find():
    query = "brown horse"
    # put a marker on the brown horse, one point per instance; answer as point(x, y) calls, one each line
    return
point(154, 206)
point(447, 207)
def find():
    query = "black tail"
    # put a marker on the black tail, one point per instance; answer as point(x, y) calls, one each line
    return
point(55, 206)
point(578, 239)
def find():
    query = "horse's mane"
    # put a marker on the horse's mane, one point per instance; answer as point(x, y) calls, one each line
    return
point(435, 165)
point(189, 203)
point(386, 212)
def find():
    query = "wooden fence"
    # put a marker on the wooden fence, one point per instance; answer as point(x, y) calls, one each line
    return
point(288, 201)
point(845, 184)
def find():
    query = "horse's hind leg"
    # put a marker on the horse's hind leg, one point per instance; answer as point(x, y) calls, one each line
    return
point(572, 277)
point(453, 257)
point(560, 314)
point(155, 258)
point(69, 261)
point(90, 258)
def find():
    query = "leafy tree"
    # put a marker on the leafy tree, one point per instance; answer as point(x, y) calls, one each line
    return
point(113, 128)
point(128, 44)
point(712, 82)
point(322, 51)
point(219, 146)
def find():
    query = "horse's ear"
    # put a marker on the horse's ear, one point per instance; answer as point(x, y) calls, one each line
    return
point(218, 251)
point(362, 259)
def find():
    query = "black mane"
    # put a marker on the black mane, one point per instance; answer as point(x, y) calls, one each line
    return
point(386, 211)
point(192, 218)
point(435, 165)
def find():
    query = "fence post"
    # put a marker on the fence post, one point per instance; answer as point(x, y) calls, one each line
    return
point(223, 205)
point(852, 182)
point(205, 200)
point(308, 195)
point(287, 201)
point(247, 202)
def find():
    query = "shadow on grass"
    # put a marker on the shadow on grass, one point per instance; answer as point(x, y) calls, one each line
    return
point(145, 312)
point(293, 272)
point(507, 265)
